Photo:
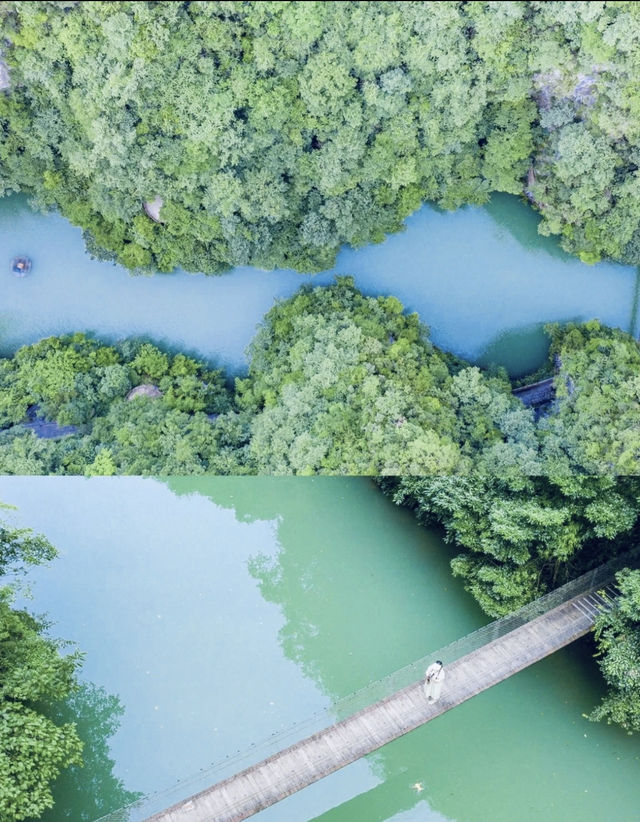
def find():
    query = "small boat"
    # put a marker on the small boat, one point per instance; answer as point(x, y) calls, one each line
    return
point(20, 266)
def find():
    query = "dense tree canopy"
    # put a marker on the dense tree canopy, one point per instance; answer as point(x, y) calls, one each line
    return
point(342, 383)
point(34, 678)
point(275, 132)
point(338, 383)
point(618, 636)
point(520, 538)
point(595, 427)
point(78, 381)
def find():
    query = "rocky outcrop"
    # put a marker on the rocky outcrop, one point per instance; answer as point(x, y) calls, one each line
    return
point(144, 390)
point(152, 209)
point(553, 87)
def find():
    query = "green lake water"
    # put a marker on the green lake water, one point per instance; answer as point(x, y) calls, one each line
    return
point(222, 611)
point(482, 279)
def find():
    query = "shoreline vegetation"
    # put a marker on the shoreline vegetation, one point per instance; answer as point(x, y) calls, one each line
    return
point(222, 134)
point(54, 729)
point(338, 383)
point(516, 542)
point(521, 537)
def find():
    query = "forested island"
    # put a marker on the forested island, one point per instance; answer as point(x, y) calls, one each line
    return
point(211, 135)
point(338, 383)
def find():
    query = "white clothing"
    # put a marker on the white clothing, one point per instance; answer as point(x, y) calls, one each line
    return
point(434, 677)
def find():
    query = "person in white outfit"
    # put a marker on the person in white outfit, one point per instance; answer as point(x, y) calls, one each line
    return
point(434, 677)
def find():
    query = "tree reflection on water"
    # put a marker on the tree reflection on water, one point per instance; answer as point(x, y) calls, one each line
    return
point(86, 793)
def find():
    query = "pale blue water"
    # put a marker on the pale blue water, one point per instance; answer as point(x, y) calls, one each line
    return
point(482, 279)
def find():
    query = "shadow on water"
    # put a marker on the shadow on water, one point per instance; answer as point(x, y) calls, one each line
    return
point(330, 603)
point(520, 350)
point(521, 221)
point(377, 804)
point(362, 589)
point(339, 629)
point(83, 794)
point(266, 503)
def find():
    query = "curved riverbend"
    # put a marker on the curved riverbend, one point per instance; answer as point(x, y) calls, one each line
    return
point(481, 278)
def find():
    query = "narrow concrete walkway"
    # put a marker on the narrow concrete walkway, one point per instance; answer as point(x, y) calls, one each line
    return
point(5, 82)
point(536, 393)
point(317, 756)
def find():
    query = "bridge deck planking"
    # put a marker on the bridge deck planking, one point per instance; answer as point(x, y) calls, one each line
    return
point(327, 751)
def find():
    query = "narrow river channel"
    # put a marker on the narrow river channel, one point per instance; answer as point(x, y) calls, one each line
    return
point(220, 611)
point(482, 279)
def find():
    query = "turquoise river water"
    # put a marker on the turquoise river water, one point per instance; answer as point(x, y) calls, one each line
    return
point(218, 611)
point(482, 279)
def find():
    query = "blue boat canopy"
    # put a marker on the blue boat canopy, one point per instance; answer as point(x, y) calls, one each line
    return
point(21, 266)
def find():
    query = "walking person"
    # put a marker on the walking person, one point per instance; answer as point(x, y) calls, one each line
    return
point(434, 677)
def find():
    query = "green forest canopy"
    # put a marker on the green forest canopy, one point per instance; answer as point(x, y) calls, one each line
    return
point(521, 537)
point(275, 132)
point(338, 383)
point(34, 678)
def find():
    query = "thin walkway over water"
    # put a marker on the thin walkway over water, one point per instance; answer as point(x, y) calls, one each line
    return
point(309, 760)
point(536, 393)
